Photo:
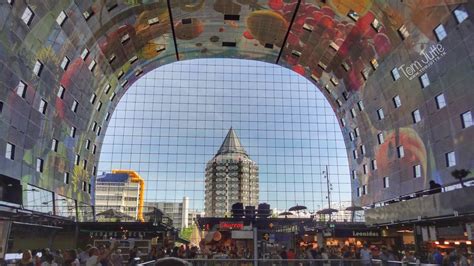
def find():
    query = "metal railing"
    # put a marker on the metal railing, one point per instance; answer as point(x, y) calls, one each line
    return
point(294, 262)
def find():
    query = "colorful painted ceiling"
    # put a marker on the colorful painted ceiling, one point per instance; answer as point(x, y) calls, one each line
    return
point(382, 65)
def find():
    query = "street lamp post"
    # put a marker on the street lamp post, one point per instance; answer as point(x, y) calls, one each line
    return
point(326, 173)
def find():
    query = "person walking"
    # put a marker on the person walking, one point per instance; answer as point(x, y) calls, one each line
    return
point(366, 255)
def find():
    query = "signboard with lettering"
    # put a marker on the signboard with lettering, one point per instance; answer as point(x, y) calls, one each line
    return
point(356, 233)
point(231, 225)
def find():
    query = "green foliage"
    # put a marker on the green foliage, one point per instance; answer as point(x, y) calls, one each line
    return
point(186, 233)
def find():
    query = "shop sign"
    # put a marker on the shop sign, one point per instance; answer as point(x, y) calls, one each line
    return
point(231, 225)
point(356, 233)
point(242, 234)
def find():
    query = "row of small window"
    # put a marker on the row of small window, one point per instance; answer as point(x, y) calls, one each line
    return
point(22, 88)
point(416, 169)
point(28, 14)
point(466, 121)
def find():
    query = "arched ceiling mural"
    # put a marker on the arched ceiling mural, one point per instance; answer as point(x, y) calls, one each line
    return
point(73, 60)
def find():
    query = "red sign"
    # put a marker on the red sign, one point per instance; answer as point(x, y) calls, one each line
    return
point(231, 225)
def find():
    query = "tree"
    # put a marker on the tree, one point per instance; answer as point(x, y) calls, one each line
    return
point(460, 174)
point(186, 233)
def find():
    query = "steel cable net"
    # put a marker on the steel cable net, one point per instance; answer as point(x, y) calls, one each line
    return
point(173, 121)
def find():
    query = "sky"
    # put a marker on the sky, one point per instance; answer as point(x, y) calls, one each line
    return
point(174, 119)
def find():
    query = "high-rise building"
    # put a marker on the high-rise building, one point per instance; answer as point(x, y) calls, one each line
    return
point(178, 211)
point(117, 192)
point(231, 177)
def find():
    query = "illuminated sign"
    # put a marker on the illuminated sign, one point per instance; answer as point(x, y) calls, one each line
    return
point(356, 233)
point(231, 225)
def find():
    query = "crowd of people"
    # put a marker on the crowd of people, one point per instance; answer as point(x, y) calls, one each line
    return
point(345, 256)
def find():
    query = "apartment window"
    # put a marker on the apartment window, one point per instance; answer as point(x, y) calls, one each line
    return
point(42, 107)
point(93, 97)
point(84, 164)
point(94, 126)
point(425, 80)
point(359, 191)
point(27, 15)
point(112, 97)
point(120, 74)
point(99, 106)
point(366, 169)
point(345, 95)
point(73, 132)
point(98, 130)
point(107, 89)
point(54, 145)
point(65, 63)
point(88, 13)
point(89, 188)
point(396, 101)
point(461, 14)
point(360, 104)
point(343, 122)
point(10, 151)
point(74, 106)
point(1, 106)
point(107, 117)
point(354, 174)
point(37, 67)
point(440, 101)
point(380, 138)
point(440, 32)
point(39, 165)
point(386, 183)
point(94, 170)
point(112, 58)
point(61, 18)
point(400, 152)
point(351, 136)
point(77, 159)
point(403, 31)
point(339, 103)
point(92, 65)
point(66, 178)
point(356, 131)
point(362, 149)
point(21, 89)
point(354, 154)
point(153, 21)
point(416, 116)
point(94, 148)
point(380, 114)
point(124, 83)
point(84, 54)
point(450, 159)
point(88, 144)
point(353, 113)
point(395, 74)
point(84, 186)
point(374, 164)
point(133, 59)
point(125, 38)
point(365, 190)
point(466, 119)
point(61, 92)
point(417, 171)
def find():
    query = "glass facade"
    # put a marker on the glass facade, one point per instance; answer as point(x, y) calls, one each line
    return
point(172, 121)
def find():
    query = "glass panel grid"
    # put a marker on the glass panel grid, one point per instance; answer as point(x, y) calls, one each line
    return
point(172, 121)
